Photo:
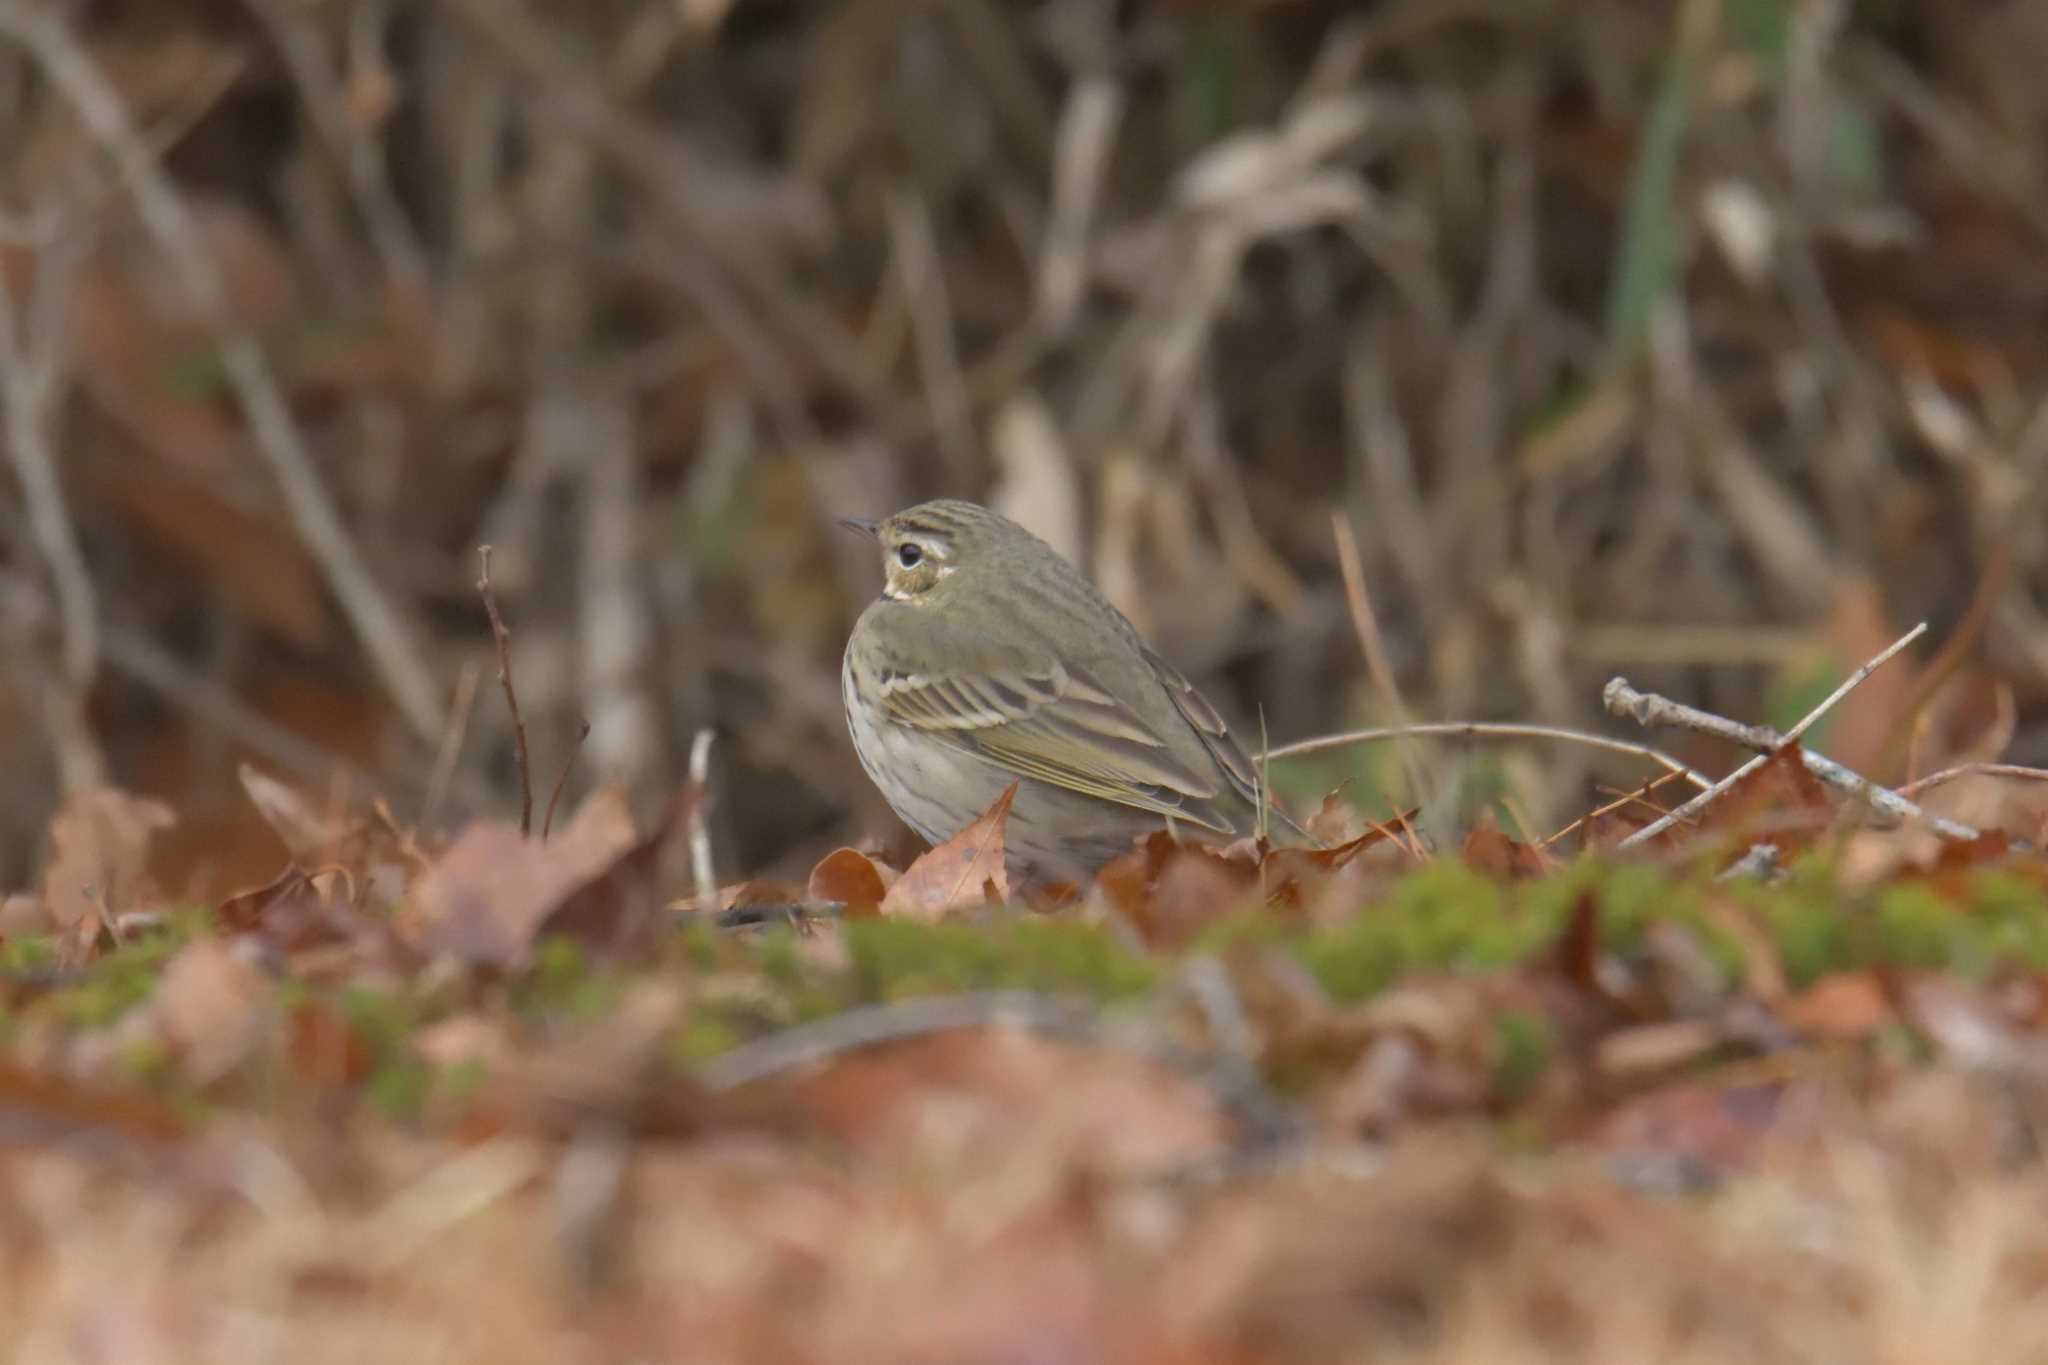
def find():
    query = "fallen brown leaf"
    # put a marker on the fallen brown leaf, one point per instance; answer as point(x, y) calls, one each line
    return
point(1010, 1097)
point(210, 1006)
point(39, 1106)
point(311, 830)
point(1781, 803)
point(967, 870)
point(1168, 890)
point(1846, 1007)
point(1487, 849)
point(99, 857)
point(852, 879)
point(485, 900)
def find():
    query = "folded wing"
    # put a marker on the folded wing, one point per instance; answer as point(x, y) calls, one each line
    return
point(1041, 718)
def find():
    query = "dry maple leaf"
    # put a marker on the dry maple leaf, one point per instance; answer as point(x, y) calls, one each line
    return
point(968, 869)
point(99, 858)
point(486, 898)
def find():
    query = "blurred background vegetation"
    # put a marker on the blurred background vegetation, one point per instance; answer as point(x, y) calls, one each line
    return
point(1701, 341)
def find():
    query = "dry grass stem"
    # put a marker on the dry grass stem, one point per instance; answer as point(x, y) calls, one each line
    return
point(1947, 775)
point(1649, 709)
point(378, 623)
point(449, 751)
point(1365, 623)
point(502, 638)
point(703, 872)
point(1488, 729)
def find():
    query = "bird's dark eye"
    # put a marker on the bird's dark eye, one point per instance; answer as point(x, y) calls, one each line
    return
point(909, 556)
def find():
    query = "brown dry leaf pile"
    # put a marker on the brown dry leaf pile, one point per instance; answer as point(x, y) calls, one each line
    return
point(483, 1123)
point(1698, 340)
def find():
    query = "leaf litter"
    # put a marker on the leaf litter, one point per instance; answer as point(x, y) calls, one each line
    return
point(407, 1098)
point(1132, 1125)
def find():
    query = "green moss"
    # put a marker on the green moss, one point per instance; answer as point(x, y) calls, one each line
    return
point(1441, 917)
point(778, 958)
point(399, 1087)
point(2002, 892)
point(383, 1019)
point(462, 1081)
point(1447, 917)
point(2013, 913)
point(148, 1061)
point(563, 982)
point(1812, 938)
point(1916, 927)
point(116, 983)
point(700, 944)
point(705, 1034)
point(1522, 1049)
point(1355, 962)
point(1634, 895)
point(895, 958)
point(28, 954)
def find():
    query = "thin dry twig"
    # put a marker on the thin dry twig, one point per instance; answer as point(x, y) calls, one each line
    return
point(1087, 132)
point(1649, 709)
point(547, 820)
point(1489, 729)
point(702, 872)
point(31, 382)
point(503, 638)
point(449, 752)
point(923, 276)
point(1367, 625)
point(1947, 775)
point(397, 658)
point(1854, 680)
point(298, 41)
point(659, 166)
point(1641, 795)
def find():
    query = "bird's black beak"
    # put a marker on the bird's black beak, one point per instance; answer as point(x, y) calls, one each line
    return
point(867, 526)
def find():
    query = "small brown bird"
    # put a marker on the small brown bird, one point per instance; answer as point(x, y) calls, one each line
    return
point(989, 659)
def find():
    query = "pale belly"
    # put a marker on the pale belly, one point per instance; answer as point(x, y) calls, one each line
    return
point(1052, 833)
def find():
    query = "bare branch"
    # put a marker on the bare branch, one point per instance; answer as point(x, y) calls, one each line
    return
point(31, 391)
point(503, 637)
point(449, 751)
point(1489, 729)
point(702, 872)
point(377, 623)
point(1366, 623)
point(1649, 709)
point(292, 28)
point(1853, 681)
point(547, 820)
point(1947, 775)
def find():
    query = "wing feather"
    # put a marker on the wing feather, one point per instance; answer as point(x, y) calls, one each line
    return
point(1043, 719)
